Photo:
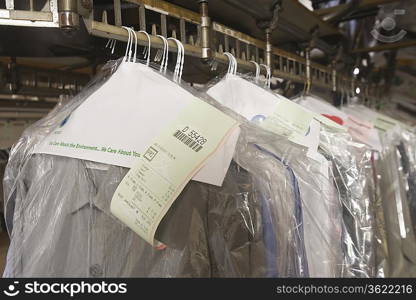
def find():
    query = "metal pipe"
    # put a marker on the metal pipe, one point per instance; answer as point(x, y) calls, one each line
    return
point(68, 14)
point(206, 53)
point(272, 25)
point(269, 48)
point(308, 71)
point(21, 115)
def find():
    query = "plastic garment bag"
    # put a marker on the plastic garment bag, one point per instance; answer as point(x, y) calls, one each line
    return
point(320, 206)
point(380, 239)
point(407, 154)
point(281, 226)
point(243, 97)
point(361, 130)
point(353, 175)
point(397, 193)
point(4, 156)
point(34, 134)
point(60, 224)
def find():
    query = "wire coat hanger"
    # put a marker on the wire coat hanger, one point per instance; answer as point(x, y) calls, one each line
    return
point(257, 74)
point(179, 60)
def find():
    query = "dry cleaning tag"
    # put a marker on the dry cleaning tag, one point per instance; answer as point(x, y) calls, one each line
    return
point(116, 123)
point(290, 115)
point(156, 179)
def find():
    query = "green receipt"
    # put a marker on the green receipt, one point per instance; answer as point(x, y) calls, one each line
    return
point(291, 116)
point(159, 175)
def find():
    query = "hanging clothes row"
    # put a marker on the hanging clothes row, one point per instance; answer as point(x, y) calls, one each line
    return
point(392, 163)
point(289, 193)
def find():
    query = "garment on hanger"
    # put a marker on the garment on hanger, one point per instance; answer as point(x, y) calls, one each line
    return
point(396, 189)
point(60, 223)
point(34, 134)
point(397, 204)
point(380, 234)
point(353, 178)
point(361, 131)
point(4, 157)
point(407, 163)
point(74, 234)
point(321, 211)
point(78, 236)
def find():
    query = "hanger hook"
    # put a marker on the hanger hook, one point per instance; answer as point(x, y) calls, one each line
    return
point(183, 60)
point(232, 66)
point(230, 61)
point(147, 54)
point(135, 45)
point(127, 54)
point(131, 43)
point(179, 60)
point(268, 75)
point(257, 74)
point(164, 63)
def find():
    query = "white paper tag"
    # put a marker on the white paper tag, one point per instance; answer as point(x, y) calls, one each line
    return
point(172, 159)
point(291, 115)
point(244, 97)
point(116, 124)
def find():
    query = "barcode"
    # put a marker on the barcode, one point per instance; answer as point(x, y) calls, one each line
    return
point(187, 141)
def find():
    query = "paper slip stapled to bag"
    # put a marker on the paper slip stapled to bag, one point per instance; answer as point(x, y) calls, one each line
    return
point(172, 158)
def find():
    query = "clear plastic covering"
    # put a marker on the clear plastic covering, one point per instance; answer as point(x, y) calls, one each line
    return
point(353, 178)
point(4, 156)
point(337, 203)
point(396, 172)
point(356, 176)
point(279, 212)
point(361, 131)
point(317, 213)
point(67, 230)
point(394, 169)
point(380, 239)
point(407, 166)
point(254, 225)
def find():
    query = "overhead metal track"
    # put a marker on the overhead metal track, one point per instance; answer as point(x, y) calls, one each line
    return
point(46, 16)
point(285, 65)
point(20, 82)
point(201, 37)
